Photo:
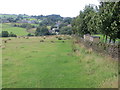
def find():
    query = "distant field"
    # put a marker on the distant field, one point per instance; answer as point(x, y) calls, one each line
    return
point(10, 15)
point(29, 63)
point(16, 30)
point(32, 31)
point(7, 16)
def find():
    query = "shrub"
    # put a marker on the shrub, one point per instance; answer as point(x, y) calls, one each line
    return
point(52, 42)
point(41, 40)
point(29, 34)
point(59, 38)
point(12, 35)
point(5, 34)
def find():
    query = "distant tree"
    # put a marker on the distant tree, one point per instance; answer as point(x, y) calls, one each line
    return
point(5, 34)
point(11, 19)
point(67, 20)
point(66, 30)
point(29, 34)
point(12, 35)
point(41, 31)
point(62, 25)
point(29, 26)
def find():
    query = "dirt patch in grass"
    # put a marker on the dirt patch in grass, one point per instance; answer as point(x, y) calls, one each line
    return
point(110, 84)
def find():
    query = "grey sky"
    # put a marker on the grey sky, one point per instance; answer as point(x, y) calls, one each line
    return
point(66, 8)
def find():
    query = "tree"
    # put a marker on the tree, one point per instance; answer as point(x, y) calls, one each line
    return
point(66, 30)
point(105, 20)
point(80, 24)
point(12, 35)
point(41, 31)
point(109, 19)
point(5, 34)
point(67, 20)
point(29, 34)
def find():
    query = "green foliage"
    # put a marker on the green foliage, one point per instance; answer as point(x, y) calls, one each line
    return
point(12, 35)
point(66, 30)
point(5, 34)
point(80, 23)
point(109, 19)
point(67, 20)
point(16, 30)
point(24, 25)
point(29, 34)
point(60, 38)
point(105, 20)
point(41, 31)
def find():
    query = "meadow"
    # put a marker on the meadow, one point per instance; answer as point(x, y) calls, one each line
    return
point(16, 30)
point(53, 63)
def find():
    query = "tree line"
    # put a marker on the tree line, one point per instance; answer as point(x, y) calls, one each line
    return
point(7, 34)
point(104, 19)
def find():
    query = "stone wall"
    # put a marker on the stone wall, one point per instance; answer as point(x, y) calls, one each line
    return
point(103, 48)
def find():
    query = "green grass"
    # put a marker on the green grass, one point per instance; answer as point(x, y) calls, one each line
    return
point(29, 63)
point(32, 31)
point(11, 16)
point(16, 30)
point(8, 16)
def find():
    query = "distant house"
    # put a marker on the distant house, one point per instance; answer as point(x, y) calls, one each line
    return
point(88, 37)
point(54, 31)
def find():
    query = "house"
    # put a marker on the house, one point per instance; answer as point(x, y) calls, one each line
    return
point(54, 31)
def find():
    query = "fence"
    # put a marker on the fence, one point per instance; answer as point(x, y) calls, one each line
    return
point(103, 48)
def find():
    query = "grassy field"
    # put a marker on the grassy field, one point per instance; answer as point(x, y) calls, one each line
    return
point(29, 63)
point(32, 31)
point(16, 30)
point(8, 16)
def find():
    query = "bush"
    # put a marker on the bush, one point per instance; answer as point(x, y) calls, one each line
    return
point(5, 34)
point(12, 35)
point(29, 34)
point(41, 40)
point(66, 30)
point(59, 38)
point(42, 31)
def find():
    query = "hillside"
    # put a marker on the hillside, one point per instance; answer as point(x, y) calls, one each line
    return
point(22, 24)
point(16, 30)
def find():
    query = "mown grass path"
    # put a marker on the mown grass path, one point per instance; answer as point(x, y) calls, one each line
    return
point(29, 63)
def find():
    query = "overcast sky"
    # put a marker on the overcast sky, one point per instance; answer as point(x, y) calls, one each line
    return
point(66, 8)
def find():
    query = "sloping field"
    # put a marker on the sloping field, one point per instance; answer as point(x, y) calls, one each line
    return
point(16, 30)
point(52, 63)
